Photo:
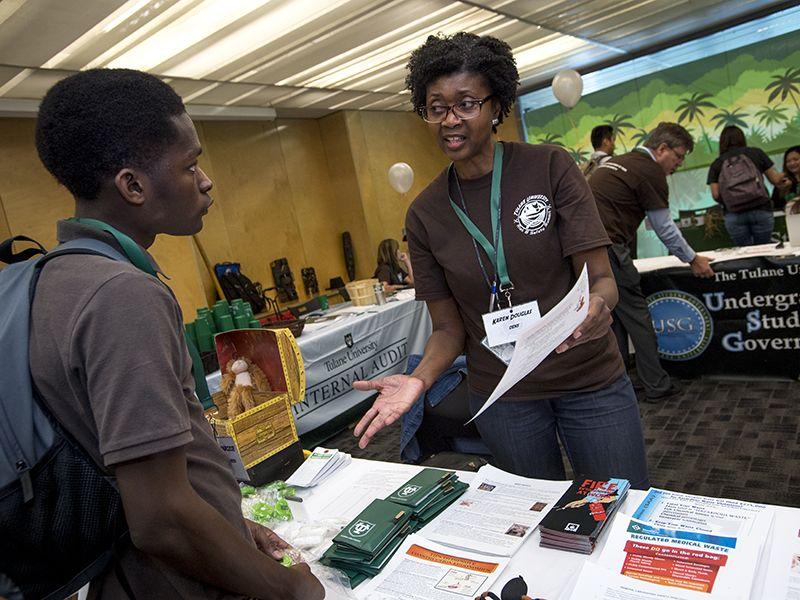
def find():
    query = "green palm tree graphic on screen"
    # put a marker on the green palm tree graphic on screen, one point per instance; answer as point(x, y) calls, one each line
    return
point(640, 137)
point(619, 123)
point(551, 138)
point(786, 85)
point(770, 116)
point(727, 117)
point(579, 155)
point(691, 110)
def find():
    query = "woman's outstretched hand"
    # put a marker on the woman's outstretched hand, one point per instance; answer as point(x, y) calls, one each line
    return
point(397, 394)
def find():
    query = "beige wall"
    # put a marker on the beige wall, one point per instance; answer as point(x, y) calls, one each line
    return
point(286, 188)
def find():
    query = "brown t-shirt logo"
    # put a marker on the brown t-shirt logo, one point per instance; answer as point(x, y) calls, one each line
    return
point(532, 215)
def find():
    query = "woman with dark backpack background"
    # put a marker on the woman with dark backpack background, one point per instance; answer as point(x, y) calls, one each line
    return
point(737, 182)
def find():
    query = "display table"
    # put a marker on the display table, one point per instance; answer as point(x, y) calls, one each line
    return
point(550, 574)
point(744, 321)
point(364, 342)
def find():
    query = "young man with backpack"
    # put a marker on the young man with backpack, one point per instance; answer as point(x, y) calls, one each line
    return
point(603, 138)
point(736, 179)
point(111, 367)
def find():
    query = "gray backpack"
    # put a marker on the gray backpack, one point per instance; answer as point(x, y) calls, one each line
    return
point(741, 185)
point(61, 517)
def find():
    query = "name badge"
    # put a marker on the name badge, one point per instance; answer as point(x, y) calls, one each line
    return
point(504, 326)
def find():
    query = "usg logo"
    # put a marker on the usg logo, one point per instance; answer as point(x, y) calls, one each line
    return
point(572, 527)
point(409, 490)
point(682, 324)
point(361, 528)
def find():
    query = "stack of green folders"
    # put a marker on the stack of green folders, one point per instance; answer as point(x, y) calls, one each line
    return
point(367, 543)
point(427, 494)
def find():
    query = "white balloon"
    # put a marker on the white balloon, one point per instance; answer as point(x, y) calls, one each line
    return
point(568, 87)
point(401, 177)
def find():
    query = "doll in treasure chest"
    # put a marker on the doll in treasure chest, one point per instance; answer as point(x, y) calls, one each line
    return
point(262, 377)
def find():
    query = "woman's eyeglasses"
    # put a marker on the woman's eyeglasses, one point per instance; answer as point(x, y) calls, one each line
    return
point(466, 109)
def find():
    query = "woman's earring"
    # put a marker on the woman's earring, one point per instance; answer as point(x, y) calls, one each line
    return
point(495, 121)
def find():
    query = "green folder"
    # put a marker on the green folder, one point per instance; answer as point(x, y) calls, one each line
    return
point(374, 527)
point(432, 511)
point(418, 490)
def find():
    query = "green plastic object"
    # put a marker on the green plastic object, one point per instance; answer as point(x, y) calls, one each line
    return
point(287, 561)
point(224, 323)
point(204, 335)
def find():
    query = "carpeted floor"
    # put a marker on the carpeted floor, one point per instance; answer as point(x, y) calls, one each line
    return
point(724, 438)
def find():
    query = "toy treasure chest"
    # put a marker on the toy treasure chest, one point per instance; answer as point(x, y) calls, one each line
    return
point(262, 377)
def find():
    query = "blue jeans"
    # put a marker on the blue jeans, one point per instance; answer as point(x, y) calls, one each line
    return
point(751, 227)
point(601, 433)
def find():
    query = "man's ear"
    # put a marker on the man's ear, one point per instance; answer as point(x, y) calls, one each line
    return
point(129, 185)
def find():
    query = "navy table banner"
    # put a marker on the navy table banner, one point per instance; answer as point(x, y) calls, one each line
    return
point(744, 321)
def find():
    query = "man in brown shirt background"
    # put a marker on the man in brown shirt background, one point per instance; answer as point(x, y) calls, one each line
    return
point(627, 188)
point(107, 350)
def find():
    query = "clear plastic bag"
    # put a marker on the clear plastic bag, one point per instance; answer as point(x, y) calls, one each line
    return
point(311, 540)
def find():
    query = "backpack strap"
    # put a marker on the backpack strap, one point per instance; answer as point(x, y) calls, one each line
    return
point(8, 256)
point(93, 246)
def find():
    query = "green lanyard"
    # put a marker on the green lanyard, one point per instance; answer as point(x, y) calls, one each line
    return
point(494, 251)
point(139, 259)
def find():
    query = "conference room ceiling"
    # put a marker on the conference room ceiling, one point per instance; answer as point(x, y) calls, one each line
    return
point(308, 58)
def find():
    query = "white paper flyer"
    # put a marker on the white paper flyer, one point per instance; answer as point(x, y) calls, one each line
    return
point(694, 543)
point(538, 340)
point(497, 514)
point(782, 581)
point(424, 570)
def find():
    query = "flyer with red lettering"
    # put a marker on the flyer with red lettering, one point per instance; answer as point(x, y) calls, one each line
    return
point(684, 543)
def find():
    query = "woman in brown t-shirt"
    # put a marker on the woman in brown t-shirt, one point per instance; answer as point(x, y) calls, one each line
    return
point(463, 86)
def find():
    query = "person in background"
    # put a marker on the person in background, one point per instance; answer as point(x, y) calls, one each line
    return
point(107, 349)
point(394, 267)
point(789, 187)
point(603, 138)
point(463, 86)
point(627, 188)
point(737, 183)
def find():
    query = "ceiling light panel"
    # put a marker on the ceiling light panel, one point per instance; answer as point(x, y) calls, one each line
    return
point(35, 84)
point(39, 29)
point(366, 62)
point(192, 28)
point(226, 92)
point(396, 20)
point(108, 32)
point(276, 23)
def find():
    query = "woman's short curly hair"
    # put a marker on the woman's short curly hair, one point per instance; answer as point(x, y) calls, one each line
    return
point(447, 54)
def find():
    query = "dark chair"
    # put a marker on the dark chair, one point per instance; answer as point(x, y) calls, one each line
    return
point(443, 428)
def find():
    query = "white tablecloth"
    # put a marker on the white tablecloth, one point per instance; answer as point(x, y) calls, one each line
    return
point(364, 343)
point(644, 265)
point(550, 574)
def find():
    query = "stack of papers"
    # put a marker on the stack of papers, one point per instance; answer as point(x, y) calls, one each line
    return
point(680, 547)
point(318, 467)
point(498, 513)
point(581, 514)
point(425, 570)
